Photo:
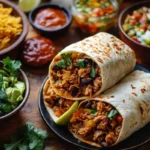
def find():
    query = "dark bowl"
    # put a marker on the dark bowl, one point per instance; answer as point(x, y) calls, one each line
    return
point(11, 50)
point(46, 31)
point(23, 77)
point(142, 52)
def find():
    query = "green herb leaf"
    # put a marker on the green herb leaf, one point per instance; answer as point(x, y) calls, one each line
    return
point(11, 66)
point(3, 96)
point(112, 113)
point(61, 63)
point(1, 81)
point(12, 146)
point(30, 138)
point(67, 59)
point(6, 107)
point(92, 72)
point(93, 111)
point(80, 63)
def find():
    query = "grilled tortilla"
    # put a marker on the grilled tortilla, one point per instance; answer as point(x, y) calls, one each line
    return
point(108, 119)
point(59, 109)
point(91, 66)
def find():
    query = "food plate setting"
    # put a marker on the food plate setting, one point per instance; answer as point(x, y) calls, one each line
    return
point(78, 70)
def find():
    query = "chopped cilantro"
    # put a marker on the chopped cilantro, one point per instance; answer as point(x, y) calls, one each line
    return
point(112, 113)
point(93, 111)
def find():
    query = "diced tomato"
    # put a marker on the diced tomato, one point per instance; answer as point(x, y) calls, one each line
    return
point(58, 112)
point(77, 114)
point(136, 39)
point(92, 28)
point(132, 22)
point(109, 9)
point(119, 119)
point(137, 16)
point(98, 12)
point(148, 27)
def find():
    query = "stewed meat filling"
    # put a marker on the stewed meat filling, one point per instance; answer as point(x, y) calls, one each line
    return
point(98, 122)
point(75, 75)
point(59, 105)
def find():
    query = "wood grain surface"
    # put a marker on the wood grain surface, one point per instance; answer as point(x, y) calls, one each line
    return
point(30, 111)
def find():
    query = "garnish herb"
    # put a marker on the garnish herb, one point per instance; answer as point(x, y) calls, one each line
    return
point(112, 113)
point(93, 111)
point(11, 66)
point(61, 63)
point(27, 138)
point(92, 72)
point(80, 63)
point(65, 61)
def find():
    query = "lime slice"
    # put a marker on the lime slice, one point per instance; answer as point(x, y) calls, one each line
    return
point(28, 5)
point(64, 119)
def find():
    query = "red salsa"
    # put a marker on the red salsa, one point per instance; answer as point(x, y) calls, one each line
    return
point(51, 18)
point(38, 51)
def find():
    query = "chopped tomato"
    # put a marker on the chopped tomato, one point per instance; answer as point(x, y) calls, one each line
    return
point(119, 119)
point(132, 22)
point(77, 114)
point(109, 9)
point(98, 12)
point(58, 112)
point(92, 27)
point(137, 16)
point(136, 39)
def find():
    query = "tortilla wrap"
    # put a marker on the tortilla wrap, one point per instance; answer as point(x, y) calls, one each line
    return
point(48, 97)
point(131, 98)
point(113, 57)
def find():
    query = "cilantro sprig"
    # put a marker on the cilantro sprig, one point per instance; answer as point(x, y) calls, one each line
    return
point(27, 138)
point(112, 113)
point(65, 61)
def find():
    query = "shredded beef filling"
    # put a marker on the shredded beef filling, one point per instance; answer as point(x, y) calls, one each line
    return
point(75, 76)
point(97, 122)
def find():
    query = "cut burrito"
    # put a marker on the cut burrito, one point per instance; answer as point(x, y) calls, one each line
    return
point(113, 116)
point(91, 66)
point(59, 109)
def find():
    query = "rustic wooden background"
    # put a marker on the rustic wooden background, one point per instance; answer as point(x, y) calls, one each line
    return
point(30, 111)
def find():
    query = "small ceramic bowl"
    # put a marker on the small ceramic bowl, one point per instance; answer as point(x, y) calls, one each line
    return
point(18, 13)
point(46, 31)
point(142, 51)
point(23, 77)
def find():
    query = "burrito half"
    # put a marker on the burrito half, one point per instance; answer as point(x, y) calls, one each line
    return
point(91, 66)
point(59, 109)
point(107, 119)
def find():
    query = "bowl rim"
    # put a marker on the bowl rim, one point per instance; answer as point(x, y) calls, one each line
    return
point(50, 5)
point(24, 23)
point(27, 92)
point(120, 19)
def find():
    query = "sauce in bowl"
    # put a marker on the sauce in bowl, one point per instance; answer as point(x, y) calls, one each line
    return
point(51, 18)
point(38, 51)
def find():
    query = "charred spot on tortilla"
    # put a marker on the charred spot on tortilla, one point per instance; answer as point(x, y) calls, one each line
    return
point(132, 86)
point(134, 93)
point(143, 90)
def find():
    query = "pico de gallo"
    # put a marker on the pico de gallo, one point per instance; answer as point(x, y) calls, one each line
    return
point(94, 15)
point(137, 25)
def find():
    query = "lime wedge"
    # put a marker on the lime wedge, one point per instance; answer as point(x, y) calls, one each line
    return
point(28, 5)
point(64, 119)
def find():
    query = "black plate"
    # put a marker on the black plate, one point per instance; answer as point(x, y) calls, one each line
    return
point(138, 138)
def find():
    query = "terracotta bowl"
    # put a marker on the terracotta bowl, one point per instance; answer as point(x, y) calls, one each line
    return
point(11, 50)
point(22, 77)
point(142, 52)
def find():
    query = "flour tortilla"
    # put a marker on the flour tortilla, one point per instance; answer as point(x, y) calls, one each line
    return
point(64, 119)
point(131, 97)
point(114, 58)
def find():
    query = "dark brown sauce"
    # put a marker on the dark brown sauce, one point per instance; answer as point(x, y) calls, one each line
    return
point(51, 18)
point(38, 51)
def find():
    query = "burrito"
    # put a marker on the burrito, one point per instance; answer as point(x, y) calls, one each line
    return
point(91, 66)
point(59, 109)
point(113, 116)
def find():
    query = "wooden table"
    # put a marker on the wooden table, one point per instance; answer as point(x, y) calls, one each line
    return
point(30, 111)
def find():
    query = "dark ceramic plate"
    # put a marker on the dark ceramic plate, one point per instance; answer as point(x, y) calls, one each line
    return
point(138, 138)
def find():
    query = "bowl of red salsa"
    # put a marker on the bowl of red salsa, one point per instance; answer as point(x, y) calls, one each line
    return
point(134, 30)
point(50, 19)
